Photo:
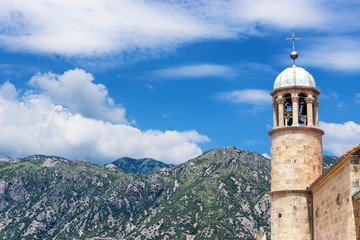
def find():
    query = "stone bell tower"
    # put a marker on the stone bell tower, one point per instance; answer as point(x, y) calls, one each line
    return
point(296, 152)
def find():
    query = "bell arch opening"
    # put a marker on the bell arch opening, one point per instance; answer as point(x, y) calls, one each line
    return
point(302, 110)
point(288, 110)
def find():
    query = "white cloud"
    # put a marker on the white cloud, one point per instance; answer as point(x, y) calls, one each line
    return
point(209, 70)
point(194, 71)
point(97, 27)
point(34, 124)
point(8, 91)
point(266, 155)
point(255, 97)
point(76, 91)
point(340, 137)
point(126, 29)
point(333, 53)
point(282, 13)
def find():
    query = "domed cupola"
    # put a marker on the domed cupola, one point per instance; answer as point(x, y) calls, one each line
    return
point(294, 76)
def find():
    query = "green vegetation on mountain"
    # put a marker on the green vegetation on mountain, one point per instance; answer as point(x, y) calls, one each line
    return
point(140, 166)
point(327, 161)
point(222, 194)
point(53, 198)
point(219, 195)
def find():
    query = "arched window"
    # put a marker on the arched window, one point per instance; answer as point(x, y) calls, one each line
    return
point(302, 110)
point(288, 110)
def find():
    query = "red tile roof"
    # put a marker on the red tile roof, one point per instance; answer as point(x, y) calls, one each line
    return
point(358, 146)
point(332, 166)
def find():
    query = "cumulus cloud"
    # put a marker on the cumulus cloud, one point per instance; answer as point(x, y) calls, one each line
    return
point(340, 137)
point(76, 91)
point(106, 27)
point(8, 91)
point(255, 97)
point(35, 124)
point(194, 71)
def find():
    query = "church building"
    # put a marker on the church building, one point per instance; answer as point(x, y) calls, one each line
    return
point(307, 203)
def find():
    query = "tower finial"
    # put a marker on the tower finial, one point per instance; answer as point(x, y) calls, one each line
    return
point(293, 55)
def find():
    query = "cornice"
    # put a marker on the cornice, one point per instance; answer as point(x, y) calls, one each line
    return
point(284, 129)
point(279, 89)
point(287, 191)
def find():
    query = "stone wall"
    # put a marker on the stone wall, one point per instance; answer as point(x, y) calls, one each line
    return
point(290, 215)
point(334, 211)
point(296, 162)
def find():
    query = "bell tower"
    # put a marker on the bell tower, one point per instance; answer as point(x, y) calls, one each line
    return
point(296, 151)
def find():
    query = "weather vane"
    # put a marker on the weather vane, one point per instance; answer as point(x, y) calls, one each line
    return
point(294, 55)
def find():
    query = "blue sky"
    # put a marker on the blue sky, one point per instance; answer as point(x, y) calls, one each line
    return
point(169, 80)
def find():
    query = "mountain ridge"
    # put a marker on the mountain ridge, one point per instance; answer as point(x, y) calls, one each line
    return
point(140, 166)
point(221, 194)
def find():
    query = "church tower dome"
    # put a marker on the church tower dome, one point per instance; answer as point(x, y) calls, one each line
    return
point(296, 151)
point(294, 76)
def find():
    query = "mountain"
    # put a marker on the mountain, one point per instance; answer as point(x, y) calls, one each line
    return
point(327, 161)
point(140, 166)
point(222, 194)
point(52, 198)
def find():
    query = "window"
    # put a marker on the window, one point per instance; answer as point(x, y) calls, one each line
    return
point(338, 200)
point(317, 213)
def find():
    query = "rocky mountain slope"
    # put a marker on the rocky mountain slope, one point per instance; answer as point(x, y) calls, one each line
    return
point(219, 195)
point(140, 166)
point(53, 198)
point(222, 194)
point(327, 161)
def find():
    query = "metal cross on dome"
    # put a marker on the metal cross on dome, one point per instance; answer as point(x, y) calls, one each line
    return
point(293, 39)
